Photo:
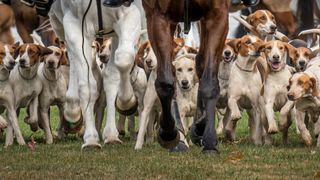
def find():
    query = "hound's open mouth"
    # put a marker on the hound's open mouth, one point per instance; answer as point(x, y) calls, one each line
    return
point(227, 58)
point(275, 65)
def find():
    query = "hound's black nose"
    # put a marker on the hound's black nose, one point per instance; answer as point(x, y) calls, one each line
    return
point(276, 57)
point(22, 61)
point(273, 28)
point(184, 82)
point(227, 53)
point(302, 63)
point(250, 2)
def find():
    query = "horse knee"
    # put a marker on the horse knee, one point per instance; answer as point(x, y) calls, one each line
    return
point(165, 88)
point(209, 90)
point(124, 60)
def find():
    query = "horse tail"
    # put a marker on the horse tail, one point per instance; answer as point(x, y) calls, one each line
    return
point(305, 14)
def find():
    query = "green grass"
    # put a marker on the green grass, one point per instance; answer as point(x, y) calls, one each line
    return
point(241, 160)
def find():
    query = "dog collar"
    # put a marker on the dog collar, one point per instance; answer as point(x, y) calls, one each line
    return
point(26, 78)
point(47, 78)
point(242, 69)
point(6, 78)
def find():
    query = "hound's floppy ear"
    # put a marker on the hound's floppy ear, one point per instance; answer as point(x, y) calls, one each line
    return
point(235, 44)
point(16, 51)
point(291, 50)
point(96, 46)
point(262, 47)
point(174, 63)
point(314, 86)
point(141, 52)
point(16, 45)
point(63, 60)
point(44, 50)
point(249, 19)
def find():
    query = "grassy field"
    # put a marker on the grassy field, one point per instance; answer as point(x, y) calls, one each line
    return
point(240, 160)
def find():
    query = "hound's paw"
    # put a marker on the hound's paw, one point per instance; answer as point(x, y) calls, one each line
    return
point(273, 129)
point(307, 138)
point(21, 141)
point(91, 141)
point(219, 130)
point(3, 124)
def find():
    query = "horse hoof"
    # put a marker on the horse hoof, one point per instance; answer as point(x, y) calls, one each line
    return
point(211, 151)
point(74, 127)
point(122, 133)
point(195, 137)
point(113, 141)
point(166, 142)
point(181, 147)
point(129, 111)
point(91, 145)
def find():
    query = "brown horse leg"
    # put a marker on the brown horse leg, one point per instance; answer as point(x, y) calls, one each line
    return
point(214, 31)
point(24, 32)
point(162, 43)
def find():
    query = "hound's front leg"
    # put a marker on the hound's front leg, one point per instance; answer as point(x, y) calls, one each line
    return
point(235, 113)
point(305, 134)
point(13, 121)
point(44, 118)
point(32, 117)
point(285, 119)
point(272, 124)
point(148, 103)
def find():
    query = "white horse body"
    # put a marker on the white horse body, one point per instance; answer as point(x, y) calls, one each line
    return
point(66, 19)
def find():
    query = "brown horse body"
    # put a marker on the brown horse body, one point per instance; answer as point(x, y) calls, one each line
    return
point(162, 18)
point(27, 21)
point(6, 22)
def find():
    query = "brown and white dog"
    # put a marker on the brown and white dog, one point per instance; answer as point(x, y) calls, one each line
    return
point(304, 89)
point(262, 23)
point(301, 58)
point(26, 83)
point(7, 97)
point(244, 88)
point(54, 88)
point(151, 103)
point(275, 86)
point(228, 57)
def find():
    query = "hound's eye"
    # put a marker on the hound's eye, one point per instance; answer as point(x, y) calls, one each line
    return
point(269, 47)
point(109, 48)
point(102, 47)
point(179, 69)
point(281, 48)
point(190, 69)
point(57, 54)
point(31, 52)
point(288, 87)
point(263, 18)
point(248, 42)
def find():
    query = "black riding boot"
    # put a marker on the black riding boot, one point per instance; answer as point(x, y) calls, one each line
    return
point(250, 2)
point(117, 3)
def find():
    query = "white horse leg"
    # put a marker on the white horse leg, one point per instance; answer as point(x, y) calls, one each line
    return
point(128, 29)
point(87, 85)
